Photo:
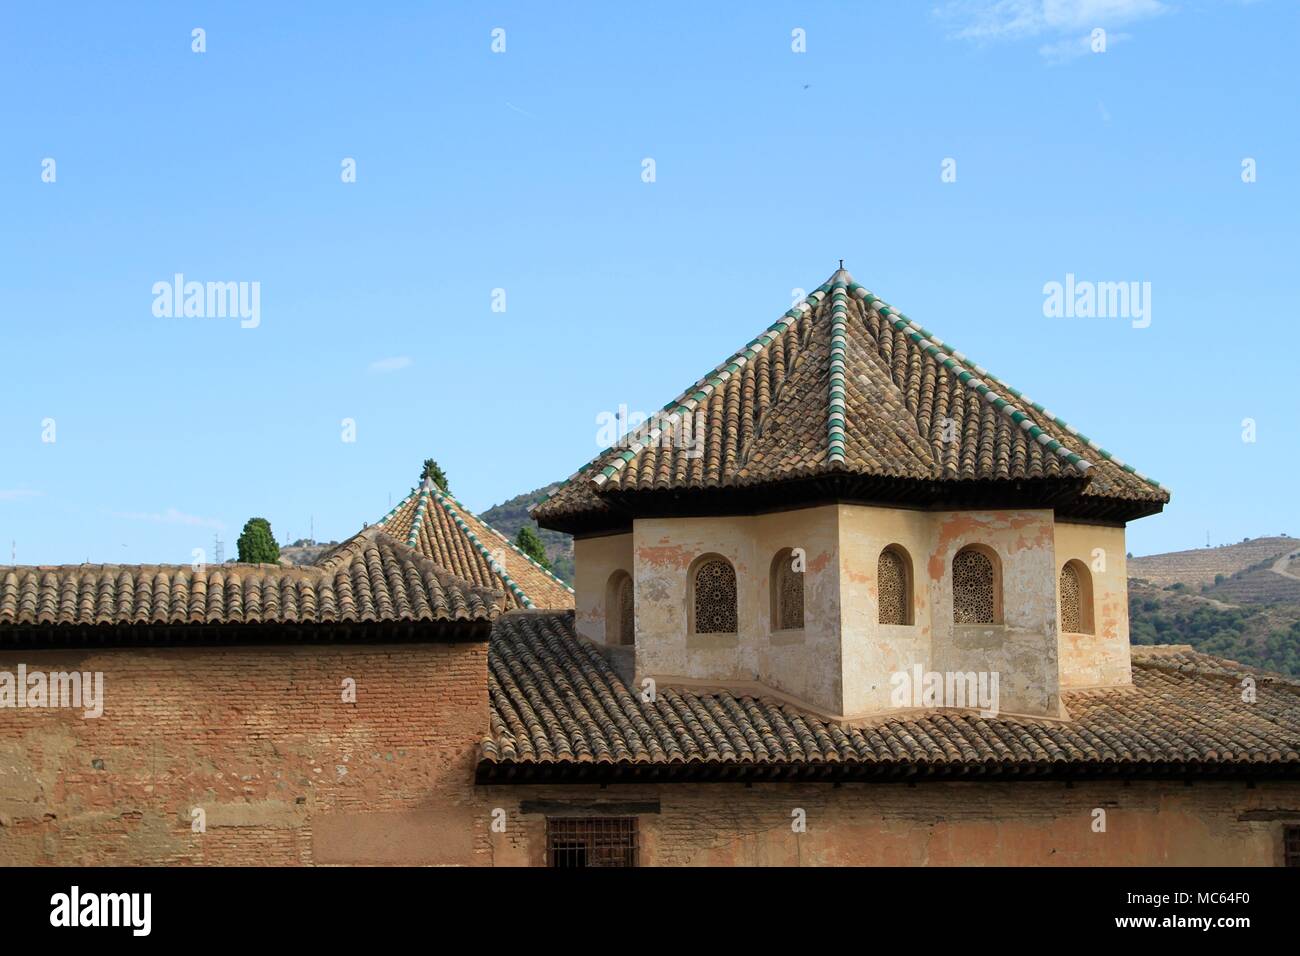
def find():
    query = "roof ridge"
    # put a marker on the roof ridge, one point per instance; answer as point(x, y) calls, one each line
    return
point(691, 397)
point(429, 489)
point(973, 377)
point(745, 454)
point(500, 534)
point(835, 420)
point(396, 508)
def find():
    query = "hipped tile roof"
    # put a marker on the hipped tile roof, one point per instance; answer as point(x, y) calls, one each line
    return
point(370, 578)
point(845, 384)
point(559, 710)
point(453, 537)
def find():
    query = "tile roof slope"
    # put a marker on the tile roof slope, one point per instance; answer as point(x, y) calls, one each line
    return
point(844, 382)
point(453, 537)
point(368, 578)
point(556, 701)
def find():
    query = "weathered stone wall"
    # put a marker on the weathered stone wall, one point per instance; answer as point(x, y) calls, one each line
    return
point(1021, 649)
point(1100, 659)
point(260, 739)
point(935, 824)
point(874, 651)
point(842, 662)
point(804, 665)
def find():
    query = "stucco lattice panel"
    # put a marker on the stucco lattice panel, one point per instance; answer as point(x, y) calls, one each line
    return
point(626, 611)
point(972, 588)
point(790, 597)
point(891, 583)
point(715, 598)
point(1071, 620)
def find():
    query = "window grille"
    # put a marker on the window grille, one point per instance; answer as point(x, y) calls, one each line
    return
point(594, 841)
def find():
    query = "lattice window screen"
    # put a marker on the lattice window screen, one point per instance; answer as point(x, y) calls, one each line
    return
point(1071, 620)
point(972, 588)
point(626, 611)
point(789, 595)
point(715, 598)
point(891, 585)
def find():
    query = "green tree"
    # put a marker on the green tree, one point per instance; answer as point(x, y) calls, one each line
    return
point(432, 470)
point(257, 544)
point(530, 544)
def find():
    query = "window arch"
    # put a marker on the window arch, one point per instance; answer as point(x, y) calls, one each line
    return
point(894, 586)
point(713, 596)
point(787, 592)
point(976, 586)
point(620, 610)
point(1076, 598)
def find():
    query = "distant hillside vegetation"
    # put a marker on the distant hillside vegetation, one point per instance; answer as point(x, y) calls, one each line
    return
point(1200, 566)
point(1240, 601)
point(509, 516)
point(305, 551)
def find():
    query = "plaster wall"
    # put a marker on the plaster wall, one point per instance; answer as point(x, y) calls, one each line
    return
point(595, 560)
point(1099, 659)
point(804, 664)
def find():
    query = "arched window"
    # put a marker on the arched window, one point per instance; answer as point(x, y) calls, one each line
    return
point(713, 590)
point(787, 592)
point(894, 586)
point(620, 610)
point(976, 590)
point(1076, 598)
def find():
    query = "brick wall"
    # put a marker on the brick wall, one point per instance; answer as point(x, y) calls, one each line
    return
point(261, 740)
point(287, 773)
point(1010, 824)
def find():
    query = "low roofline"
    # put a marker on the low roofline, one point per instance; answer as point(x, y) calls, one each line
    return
point(55, 637)
point(1062, 495)
point(490, 771)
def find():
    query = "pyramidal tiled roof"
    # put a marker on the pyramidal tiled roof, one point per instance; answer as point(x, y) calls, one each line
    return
point(845, 384)
point(559, 708)
point(450, 535)
point(370, 578)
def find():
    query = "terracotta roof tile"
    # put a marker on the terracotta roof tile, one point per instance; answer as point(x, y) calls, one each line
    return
point(843, 383)
point(556, 702)
point(453, 537)
point(369, 578)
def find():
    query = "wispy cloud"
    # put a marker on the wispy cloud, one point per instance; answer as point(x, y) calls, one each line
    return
point(1061, 51)
point(170, 516)
point(17, 494)
point(1069, 22)
point(394, 364)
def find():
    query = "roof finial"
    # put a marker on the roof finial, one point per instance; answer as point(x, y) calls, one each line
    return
point(841, 264)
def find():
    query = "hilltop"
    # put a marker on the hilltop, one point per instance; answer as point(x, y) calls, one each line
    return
point(509, 516)
point(1240, 601)
point(1201, 566)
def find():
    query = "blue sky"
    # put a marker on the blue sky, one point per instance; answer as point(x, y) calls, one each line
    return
point(522, 171)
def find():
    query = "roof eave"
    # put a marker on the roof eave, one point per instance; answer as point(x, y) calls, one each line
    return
point(491, 771)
